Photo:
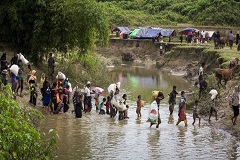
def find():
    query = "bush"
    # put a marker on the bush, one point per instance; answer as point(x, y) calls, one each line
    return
point(20, 138)
point(87, 67)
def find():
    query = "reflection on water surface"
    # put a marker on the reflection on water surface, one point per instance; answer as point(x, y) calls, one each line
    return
point(100, 137)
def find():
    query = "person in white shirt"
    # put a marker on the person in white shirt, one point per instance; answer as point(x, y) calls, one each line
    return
point(161, 49)
point(87, 97)
point(201, 69)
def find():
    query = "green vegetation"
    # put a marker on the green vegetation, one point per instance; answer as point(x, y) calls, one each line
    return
point(172, 12)
point(72, 28)
point(20, 138)
point(38, 27)
point(88, 67)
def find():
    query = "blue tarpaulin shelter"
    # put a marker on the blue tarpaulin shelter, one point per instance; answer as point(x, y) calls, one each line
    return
point(148, 33)
point(152, 33)
point(141, 32)
point(187, 30)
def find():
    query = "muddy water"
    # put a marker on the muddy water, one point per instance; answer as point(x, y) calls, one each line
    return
point(101, 137)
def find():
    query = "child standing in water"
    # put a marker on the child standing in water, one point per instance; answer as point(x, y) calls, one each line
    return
point(195, 113)
point(101, 106)
point(139, 105)
point(182, 109)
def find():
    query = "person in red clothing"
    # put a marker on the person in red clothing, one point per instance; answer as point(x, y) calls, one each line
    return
point(182, 109)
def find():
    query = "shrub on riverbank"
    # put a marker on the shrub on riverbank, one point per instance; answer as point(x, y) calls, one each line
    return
point(80, 69)
point(20, 138)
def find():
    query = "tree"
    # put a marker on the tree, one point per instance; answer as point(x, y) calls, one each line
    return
point(39, 26)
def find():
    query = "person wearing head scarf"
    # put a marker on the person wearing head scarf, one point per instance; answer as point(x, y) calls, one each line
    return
point(33, 88)
point(235, 104)
point(32, 78)
point(182, 109)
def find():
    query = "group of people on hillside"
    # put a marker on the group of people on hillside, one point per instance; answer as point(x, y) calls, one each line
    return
point(229, 40)
point(16, 77)
point(203, 37)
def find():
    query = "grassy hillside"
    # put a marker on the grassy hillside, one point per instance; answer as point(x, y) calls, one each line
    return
point(171, 12)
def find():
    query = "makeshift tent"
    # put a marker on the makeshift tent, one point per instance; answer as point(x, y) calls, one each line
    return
point(148, 33)
point(168, 32)
point(151, 33)
point(141, 32)
point(133, 34)
point(120, 29)
point(187, 30)
point(209, 34)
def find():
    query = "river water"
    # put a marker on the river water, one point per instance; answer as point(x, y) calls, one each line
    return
point(100, 137)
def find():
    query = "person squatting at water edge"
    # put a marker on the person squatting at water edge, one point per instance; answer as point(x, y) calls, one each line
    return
point(182, 109)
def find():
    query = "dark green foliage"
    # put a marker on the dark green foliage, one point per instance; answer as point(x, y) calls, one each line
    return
point(20, 138)
point(162, 12)
point(39, 26)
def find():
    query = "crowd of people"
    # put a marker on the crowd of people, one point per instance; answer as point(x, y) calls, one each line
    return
point(219, 42)
point(17, 78)
point(55, 94)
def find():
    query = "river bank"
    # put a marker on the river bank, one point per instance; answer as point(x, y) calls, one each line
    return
point(183, 60)
point(95, 136)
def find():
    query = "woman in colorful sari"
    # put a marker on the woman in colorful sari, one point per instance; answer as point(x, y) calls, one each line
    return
point(182, 109)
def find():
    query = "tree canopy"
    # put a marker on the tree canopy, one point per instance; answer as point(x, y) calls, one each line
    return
point(38, 26)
